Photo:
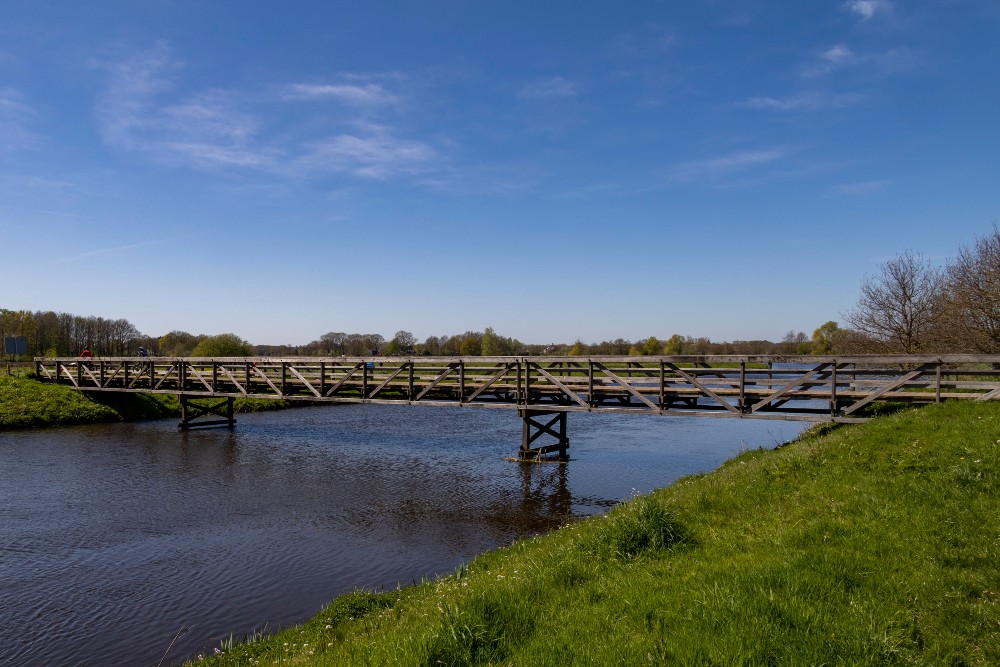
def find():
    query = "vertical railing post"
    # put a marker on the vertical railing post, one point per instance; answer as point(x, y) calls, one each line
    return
point(410, 392)
point(527, 382)
point(663, 385)
point(833, 390)
point(322, 378)
point(519, 395)
point(937, 382)
point(461, 381)
point(590, 383)
point(743, 387)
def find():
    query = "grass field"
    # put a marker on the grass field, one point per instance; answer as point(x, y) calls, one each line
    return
point(27, 403)
point(871, 544)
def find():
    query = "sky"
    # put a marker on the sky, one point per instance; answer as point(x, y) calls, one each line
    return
point(588, 170)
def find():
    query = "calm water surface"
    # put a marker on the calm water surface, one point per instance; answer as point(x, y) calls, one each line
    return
point(116, 539)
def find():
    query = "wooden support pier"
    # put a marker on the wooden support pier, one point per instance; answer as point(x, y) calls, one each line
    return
point(192, 413)
point(534, 428)
point(544, 389)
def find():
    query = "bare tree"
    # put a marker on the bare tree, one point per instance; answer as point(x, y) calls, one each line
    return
point(970, 313)
point(898, 308)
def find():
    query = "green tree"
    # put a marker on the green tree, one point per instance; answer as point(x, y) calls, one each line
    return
point(177, 344)
point(472, 345)
point(401, 343)
point(650, 346)
point(823, 337)
point(674, 345)
point(578, 349)
point(223, 345)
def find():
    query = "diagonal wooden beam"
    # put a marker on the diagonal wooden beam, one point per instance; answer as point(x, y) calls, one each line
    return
point(625, 385)
point(395, 374)
point(569, 392)
point(304, 381)
point(89, 372)
point(333, 389)
point(544, 428)
point(232, 378)
point(452, 367)
point(163, 377)
point(792, 383)
point(990, 395)
point(502, 370)
point(198, 376)
point(263, 376)
point(704, 389)
point(62, 367)
point(891, 386)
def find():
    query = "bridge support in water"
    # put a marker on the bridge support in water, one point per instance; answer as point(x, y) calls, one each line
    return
point(191, 413)
point(539, 423)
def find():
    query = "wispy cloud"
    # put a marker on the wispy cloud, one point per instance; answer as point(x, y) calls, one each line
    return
point(805, 101)
point(871, 65)
point(712, 169)
point(862, 187)
point(362, 95)
point(372, 153)
point(141, 111)
point(114, 250)
point(15, 118)
point(648, 40)
point(834, 58)
point(867, 9)
point(207, 129)
point(548, 88)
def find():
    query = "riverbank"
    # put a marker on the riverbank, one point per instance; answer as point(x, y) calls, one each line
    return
point(27, 403)
point(867, 544)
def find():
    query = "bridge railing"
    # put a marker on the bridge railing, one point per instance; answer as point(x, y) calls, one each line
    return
point(786, 387)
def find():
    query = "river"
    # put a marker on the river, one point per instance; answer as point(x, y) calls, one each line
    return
point(119, 541)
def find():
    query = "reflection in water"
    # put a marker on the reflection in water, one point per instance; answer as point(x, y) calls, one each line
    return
point(114, 539)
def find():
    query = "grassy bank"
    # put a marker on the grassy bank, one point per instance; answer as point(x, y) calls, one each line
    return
point(872, 544)
point(27, 403)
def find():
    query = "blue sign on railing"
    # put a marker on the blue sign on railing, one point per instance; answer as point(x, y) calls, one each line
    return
point(15, 345)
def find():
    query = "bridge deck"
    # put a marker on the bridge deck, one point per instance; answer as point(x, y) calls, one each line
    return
point(802, 388)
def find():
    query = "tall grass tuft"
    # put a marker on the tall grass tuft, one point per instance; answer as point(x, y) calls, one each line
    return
point(644, 524)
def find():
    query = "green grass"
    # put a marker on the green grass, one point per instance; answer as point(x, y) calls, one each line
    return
point(871, 544)
point(28, 403)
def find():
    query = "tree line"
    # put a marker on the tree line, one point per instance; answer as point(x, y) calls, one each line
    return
point(909, 306)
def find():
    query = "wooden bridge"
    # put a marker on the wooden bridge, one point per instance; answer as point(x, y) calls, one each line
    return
point(544, 389)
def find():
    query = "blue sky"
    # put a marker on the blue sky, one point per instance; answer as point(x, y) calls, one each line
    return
point(555, 170)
